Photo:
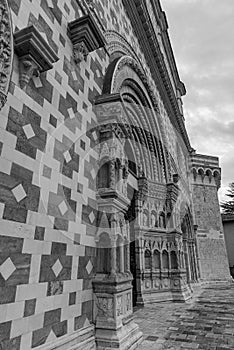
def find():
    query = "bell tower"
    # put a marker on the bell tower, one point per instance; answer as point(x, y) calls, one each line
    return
point(212, 255)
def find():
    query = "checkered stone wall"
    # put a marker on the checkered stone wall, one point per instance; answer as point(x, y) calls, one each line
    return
point(48, 179)
point(47, 254)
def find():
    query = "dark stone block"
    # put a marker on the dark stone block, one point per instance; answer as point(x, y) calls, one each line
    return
point(47, 10)
point(60, 224)
point(58, 248)
point(62, 40)
point(12, 344)
point(76, 239)
point(80, 188)
point(46, 272)
point(39, 336)
point(60, 329)
point(72, 298)
point(55, 288)
point(15, 6)
point(10, 245)
point(78, 84)
point(7, 294)
point(66, 8)
point(39, 233)
point(47, 172)
point(15, 214)
point(34, 94)
point(29, 308)
point(53, 121)
point(58, 77)
point(21, 274)
point(57, 12)
point(52, 317)
point(92, 95)
point(82, 144)
point(79, 322)
point(12, 88)
point(5, 329)
point(87, 309)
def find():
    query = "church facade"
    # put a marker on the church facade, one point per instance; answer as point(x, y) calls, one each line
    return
point(104, 204)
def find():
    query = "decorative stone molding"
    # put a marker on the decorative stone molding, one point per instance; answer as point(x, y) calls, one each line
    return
point(6, 51)
point(86, 37)
point(34, 53)
point(205, 170)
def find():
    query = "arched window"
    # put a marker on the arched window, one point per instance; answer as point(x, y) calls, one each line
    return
point(162, 220)
point(145, 218)
point(165, 260)
point(156, 260)
point(147, 259)
point(174, 263)
point(153, 219)
point(104, 176)
point(104, 254)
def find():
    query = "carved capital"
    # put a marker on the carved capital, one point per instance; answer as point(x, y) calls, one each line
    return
point(28, 68)
point(86, 36)
point(80, 52)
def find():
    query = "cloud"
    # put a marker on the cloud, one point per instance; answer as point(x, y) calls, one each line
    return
point(200, 32)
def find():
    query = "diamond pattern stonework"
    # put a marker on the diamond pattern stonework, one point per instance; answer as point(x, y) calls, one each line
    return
point(7, 269)
point(91, 217)
point(67, 156)
point(63, 207)
point(57, 267)
point(89, 267)
point(19, 193)
point(28, 130)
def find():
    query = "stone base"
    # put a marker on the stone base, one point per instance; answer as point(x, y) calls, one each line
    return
point(166, 295)
point(128, 337)
point(183, 294)
point(81, 340)
point(213, 259)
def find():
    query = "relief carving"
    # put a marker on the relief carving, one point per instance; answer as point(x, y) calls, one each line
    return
point(6, 51)
point(105, 307)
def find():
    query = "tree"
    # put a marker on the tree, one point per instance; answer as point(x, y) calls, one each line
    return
point(228, 206)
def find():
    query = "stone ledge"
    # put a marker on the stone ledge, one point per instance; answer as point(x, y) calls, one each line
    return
point(81, 340)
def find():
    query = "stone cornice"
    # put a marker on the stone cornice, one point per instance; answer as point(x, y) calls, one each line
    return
point(144, 30)
point(35, 54)
point(85, 35)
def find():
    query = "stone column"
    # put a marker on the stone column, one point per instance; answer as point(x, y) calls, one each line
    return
point(112, 173)
point(187, 264)
point(128, 257)
point(113, 257)
point(121, 263)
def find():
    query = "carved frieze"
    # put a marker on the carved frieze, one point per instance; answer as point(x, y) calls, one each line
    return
point(157, 190)
point(6, 50)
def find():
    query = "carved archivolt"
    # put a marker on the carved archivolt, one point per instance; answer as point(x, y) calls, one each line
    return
point(6, 50)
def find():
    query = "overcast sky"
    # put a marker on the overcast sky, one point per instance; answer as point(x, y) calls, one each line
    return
point(202, 37)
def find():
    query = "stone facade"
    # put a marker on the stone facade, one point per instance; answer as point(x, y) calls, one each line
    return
point(228, 230)
point(99, 202)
